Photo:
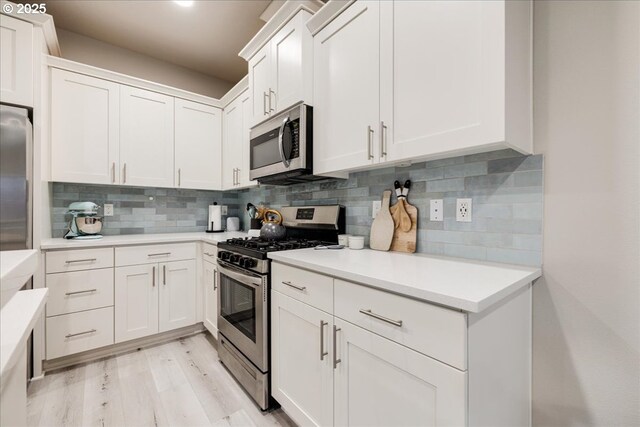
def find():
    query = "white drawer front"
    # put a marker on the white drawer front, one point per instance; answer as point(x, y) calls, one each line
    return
point(435, 331)
point(81, 259)
point(77, 332)
point(79, 291)
point(311, 288)
point(209, 252)
point(150, 254)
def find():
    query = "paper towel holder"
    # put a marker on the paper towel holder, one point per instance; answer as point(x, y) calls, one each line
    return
point(210, 227)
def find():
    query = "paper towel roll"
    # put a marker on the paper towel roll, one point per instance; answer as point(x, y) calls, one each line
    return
point(215, 217)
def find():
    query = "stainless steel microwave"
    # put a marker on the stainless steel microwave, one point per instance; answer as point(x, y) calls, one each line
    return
point(281, 149)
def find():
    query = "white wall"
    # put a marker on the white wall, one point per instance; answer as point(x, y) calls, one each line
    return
point(586, 366)
point(79, 48)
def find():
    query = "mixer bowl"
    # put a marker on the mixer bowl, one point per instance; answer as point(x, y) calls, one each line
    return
point(89, 224)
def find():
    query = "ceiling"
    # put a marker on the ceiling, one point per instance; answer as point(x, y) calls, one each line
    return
point(205, 37)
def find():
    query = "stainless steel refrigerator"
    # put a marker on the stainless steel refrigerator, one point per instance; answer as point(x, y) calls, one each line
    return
point(15, 178)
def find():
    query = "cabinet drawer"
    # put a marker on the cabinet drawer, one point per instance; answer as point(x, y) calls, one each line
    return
point(209, 252)
point(81, 259)
point(73, 333)
point(150, 254)
point(311, 288)
point(79, 291)
point(438, 332)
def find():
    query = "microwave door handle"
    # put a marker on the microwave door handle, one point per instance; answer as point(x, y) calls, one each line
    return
point(286, 162)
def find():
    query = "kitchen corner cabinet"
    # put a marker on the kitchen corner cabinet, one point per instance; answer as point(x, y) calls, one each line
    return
point(198, 145)
point(85, 123)
point(16, 61)
point(235, 149)
point(421, 80)
point(146, 137)
point(281, 72)
point(350, 355)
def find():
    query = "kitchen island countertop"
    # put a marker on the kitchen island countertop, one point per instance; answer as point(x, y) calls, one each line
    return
point(465, 285)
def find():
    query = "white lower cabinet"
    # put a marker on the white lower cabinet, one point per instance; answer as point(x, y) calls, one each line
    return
point(381, 383)
point(301, 367)
point(210, 282)
point(77, 332)
point(154, 298)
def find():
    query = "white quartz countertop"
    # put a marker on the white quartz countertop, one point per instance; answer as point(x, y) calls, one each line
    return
point(17, 319)
point(16, 268)
point(140, 239)
point(466, 285)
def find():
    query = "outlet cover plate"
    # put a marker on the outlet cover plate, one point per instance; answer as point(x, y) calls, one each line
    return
point(436, 212)
point(463, 210)
point(108, 209)
point(375, 208)
point(224, 210)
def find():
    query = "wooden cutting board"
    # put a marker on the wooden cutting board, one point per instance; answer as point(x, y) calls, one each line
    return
point(382, 227)
point(406, 241)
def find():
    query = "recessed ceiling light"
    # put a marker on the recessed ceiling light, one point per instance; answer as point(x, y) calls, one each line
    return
point(184, 3)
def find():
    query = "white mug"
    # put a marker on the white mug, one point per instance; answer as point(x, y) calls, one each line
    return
point(233, 223)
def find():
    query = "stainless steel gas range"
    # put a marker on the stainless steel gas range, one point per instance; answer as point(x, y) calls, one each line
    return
point(244, 288)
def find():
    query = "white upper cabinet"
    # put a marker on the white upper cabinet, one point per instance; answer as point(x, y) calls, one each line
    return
point(198, 145)
point(16, 61)
point(280, 73)
point(445, 78)
point(85, 122)
point(346, 82)
point(146, 138)
point(235, 150)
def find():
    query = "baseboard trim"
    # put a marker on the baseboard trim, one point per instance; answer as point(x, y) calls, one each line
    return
point(124, 347)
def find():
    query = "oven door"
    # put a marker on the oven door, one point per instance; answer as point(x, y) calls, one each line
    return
point(280, 144)
point(243, 311)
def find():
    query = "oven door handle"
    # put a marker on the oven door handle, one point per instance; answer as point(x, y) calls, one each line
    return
point(286, 162)
point(239, 275)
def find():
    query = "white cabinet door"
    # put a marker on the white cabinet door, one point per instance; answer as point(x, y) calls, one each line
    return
point(232, 144)
point(259, 84)
point(346, 89)
point(16, 61)
point(443, 76)
point(146, 138)
point(210, 280)
point(245, 163)
point(136, 301)
point(291, 64)
point(301, 365)
point(85, 123)
point(177, 283)
point(198, 145)
point(381, 383)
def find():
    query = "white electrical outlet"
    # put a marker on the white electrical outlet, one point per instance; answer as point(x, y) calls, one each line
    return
point(224, 210)
point(436, 212)
point(108, 209)
point(463, 210)
point(377, 205)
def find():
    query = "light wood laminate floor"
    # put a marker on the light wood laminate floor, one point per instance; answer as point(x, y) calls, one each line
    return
point(179, 383)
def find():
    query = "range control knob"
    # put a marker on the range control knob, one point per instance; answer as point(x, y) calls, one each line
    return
point(234, 258)
point(247, 262)
point(224, 255)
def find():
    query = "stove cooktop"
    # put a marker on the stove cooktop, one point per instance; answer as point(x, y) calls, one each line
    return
point(259, 247)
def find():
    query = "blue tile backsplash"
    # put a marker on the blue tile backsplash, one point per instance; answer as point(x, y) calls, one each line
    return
point(506, 188)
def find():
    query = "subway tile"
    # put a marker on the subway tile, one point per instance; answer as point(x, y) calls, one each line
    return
point(512, 256)
point(463, 251)
point(528, 179)
point(528, 211)
point(427, 174)
point(466, 169)
point(514, 164)
point(488, 181)
point(530, 242)
point(452, 184)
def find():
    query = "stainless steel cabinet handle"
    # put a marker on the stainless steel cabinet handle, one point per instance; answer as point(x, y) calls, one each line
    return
point(238, 176)
point(300, 288)
point(271, 92)
point(153, 277)
point(124, 173)
point(384, 319)
point(335, 347)
point(383, 139)
point(369, 142)
point(179, 176)
point(113, 172)
point(208, 254)
point(80, 292)
point(322, 352)
point(164, 275)
point(80, 260)
point(264, 103)
point(80, 333)
point(215, 280)
point(160, 254)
